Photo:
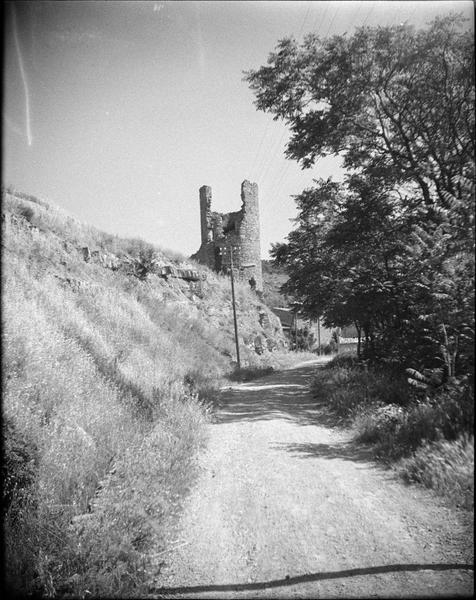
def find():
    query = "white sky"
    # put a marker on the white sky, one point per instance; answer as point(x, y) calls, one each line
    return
point(119, 111)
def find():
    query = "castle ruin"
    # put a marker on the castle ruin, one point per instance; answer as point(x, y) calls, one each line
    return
point(239, 230)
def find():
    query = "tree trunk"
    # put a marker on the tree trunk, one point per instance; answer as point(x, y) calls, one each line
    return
point(359, 338)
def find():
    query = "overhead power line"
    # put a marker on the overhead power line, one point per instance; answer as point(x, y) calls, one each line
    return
point(322, 19)
point(305, 19)
point(332, 22)
point(273, 155)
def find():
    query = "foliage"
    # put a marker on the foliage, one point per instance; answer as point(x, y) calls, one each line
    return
point(343, 360)
point(348, 388)
point(329, 348)
point(395, 102)
point(250, 373)
point(422, 437)
point(18, 463)
point(305, 339)
point(359, 257)
point(391, 249)
point(447, 467)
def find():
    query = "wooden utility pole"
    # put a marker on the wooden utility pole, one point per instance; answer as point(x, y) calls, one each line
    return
point(295, 330)
point(234, 308)
point(319, 334)
point(295, 306)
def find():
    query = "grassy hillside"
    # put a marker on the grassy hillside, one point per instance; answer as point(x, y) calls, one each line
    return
point(109, 370)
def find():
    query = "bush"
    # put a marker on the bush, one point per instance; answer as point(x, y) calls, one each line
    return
point(27, 213)
point(329, 348)
point(445, 466)
point(378, 422)
point(305, 339)
point(249, 373)
point(343, 360)
point(397, 432)
point(19, 460)
point(384, 412)
point(349, 388)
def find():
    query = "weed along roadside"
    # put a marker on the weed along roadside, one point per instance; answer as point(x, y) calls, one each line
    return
point(428, 439)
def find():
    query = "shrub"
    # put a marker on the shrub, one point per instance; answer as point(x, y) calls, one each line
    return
point(349, 388)
point(377, 422)
point(445, 466)
point(174, 256)
point(343, 360)
point(398, 431)
point(249, 373)
point(305, 339)
point(454, 404)
point(27, 213)
point(329, 348)
point(19, 458)
point(429, 434)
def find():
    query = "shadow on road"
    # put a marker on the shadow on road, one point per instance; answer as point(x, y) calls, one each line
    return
point(309, 577)
point(286, 396)
point(283, 395)
point(346, 451)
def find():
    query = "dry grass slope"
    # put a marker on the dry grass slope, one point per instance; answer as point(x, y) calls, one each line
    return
point(108, 379)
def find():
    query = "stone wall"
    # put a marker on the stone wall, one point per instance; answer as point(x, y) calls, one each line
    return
point(238, 230)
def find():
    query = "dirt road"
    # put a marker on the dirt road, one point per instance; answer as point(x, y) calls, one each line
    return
point(288, 507)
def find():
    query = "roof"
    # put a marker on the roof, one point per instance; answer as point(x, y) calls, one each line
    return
point(286, 316)
point(349, 331)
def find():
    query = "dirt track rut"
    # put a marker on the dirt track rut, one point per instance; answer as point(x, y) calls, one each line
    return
point(288, 507)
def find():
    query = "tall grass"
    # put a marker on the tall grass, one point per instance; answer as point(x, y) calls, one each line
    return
point(259, 366)
point(427, 438)
point(106, 385)
point(445, 466)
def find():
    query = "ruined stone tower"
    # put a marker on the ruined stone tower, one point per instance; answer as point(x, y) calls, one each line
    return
point(239, 229)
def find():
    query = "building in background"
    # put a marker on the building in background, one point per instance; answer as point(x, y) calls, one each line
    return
point(294, 325)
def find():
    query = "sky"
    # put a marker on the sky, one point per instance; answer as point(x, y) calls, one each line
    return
point(118, 112)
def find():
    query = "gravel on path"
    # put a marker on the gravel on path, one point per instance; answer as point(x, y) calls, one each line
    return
point(287, 506)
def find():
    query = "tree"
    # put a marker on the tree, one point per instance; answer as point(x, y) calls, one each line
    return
point(341, 257)
point(395, 103)
point(356, 256)
point(391, 249)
